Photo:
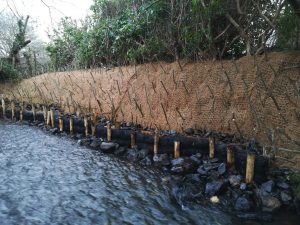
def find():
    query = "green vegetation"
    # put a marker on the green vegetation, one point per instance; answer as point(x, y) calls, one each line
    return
point(121, 32)
point(295, 181)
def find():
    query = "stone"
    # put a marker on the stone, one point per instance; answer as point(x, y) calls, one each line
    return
point(132, 154)
point(222, 169)
point(53, 131)
point(243, 186)
point(143, 153)
point(120, 151)
point(270, 203)
point(285, 197)
point(183, 166)
point(202, 171)
point(196, 159)
point(95, 143)
point(282, 185)
point(235, 180)
point(214, 160)
point(147, 161)
point(84, 142)
point(193, 177)
point(162, 159)
point(189, 131)
point(109, 147)
point(267, 186)
point(243, 203)
point(172, 132)
point(214, 187)
point(177, 162)
point(214, 199)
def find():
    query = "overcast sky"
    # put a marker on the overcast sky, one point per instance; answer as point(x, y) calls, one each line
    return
point(47, 13)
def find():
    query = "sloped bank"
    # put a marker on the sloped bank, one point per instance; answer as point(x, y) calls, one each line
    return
point(195, 176)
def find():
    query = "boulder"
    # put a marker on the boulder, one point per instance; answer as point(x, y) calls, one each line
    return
point(243, 203)
point(184, 166)
point(270, 203)
point(120, 151)
point(132, 154)
point(222, 169)
point(267, 186)
point(235, 180)
point(147, 161)
point(109, 147)
point(95, 143)
point(214, 187)
point(189, 131)
point(285, 197)
point(282, 185)
point(162, 159)
point(143, 153)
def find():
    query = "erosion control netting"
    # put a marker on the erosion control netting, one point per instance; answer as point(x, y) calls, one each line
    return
point(250, 96)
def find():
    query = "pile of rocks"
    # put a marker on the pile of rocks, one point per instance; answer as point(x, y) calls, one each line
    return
point(199, 179)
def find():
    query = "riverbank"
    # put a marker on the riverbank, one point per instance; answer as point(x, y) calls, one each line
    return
point(250, 97)
point(200, 180)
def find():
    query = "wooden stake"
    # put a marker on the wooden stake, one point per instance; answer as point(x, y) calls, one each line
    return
point(176, 149)
point(21, 111)
point(61, 123)
point(156, 140)
point(94, 118)
point(48, 119)
point(86, 124)
point(132, 139)
point(108, 132)
point(71, 125)
point(211, 147)
point(250, 167)
point(45, 111)
point(52, 118)
point(230, 158)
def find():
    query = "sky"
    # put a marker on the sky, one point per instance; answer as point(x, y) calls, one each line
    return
point(47, 13)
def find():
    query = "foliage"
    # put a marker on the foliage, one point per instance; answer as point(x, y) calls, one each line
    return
point(7, 71)
point(121, 32)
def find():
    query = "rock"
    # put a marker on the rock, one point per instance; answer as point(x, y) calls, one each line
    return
point(270, 203)
point(84, 142)
point(214, 160)
point(222, 169)
point(243, 186)
point(243, 204)
point(267, 186)
point(196, 159)
point(143, 153)
point(214, 187)
point(214, 199)
point(109, 147)
point(172, 132)
point(194, 177)
point(53, 131)
point(235, 180)
point(255, 216)
point(95, 143)
point(146, 161)
point(285, 197)
point(162, 159)
point(132, 154)
point(189, 131)
point(282, 185)
point(177, 162)
point(120, 151)
point(202, 171)
point(184, 166)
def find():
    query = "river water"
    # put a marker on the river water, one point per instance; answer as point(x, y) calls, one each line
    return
point(47, 179)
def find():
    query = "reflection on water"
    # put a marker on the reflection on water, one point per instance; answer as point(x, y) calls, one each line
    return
point(50, 180)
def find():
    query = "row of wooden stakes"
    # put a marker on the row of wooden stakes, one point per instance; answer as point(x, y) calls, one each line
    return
point(49, 122)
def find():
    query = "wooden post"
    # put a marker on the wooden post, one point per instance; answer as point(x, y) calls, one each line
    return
point(52, 118)
point(45, 111)
point(108, 132)
point(230, 158)
point(12, 110)
point(176, 149)
point(33, 112)
point(94, 121)
point(156, 140)
point(132, 139)
point(71, 125)
point(211, 147)
point(250, 167)
point(48, 119)
point(3, 108)
point(86, 124)
point(61, 122)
